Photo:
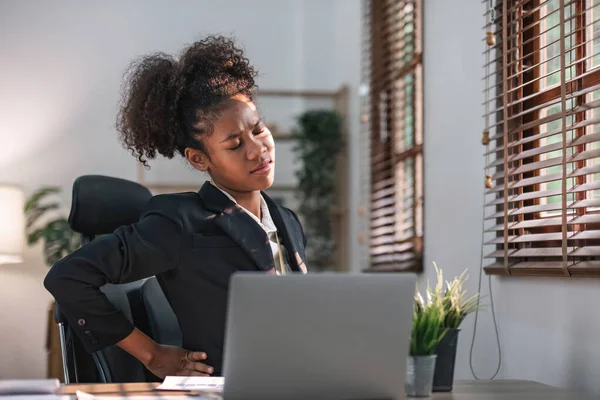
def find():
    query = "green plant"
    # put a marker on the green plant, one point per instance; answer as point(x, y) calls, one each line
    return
point(319, 140)
point(453, 298)
point(59, 239)
point(427, 328)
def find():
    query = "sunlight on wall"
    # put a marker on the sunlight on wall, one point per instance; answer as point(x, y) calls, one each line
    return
point(35, 111)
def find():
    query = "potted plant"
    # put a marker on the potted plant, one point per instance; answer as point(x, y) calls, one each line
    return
point(426, 334)
point(456, 306)
point(58, 238)
point(318, 141)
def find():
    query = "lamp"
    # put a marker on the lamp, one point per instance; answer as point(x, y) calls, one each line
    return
point(12, 224)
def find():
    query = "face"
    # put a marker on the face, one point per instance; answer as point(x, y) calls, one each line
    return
point(240, 151)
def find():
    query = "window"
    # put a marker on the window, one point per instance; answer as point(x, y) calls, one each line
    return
point(542, 99)
point(392, 117)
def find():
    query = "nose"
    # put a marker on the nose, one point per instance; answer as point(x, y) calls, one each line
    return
point(256, 149)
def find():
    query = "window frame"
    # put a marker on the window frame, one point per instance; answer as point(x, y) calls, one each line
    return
point(385, 116)
point(531, 93)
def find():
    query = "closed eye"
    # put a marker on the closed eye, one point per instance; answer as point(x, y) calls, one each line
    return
point(260, 127)
point(237, 146)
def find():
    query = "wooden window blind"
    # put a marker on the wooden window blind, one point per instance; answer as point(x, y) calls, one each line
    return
point(394, 123)
point(542, 99)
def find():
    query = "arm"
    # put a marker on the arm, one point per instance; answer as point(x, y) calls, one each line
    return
point(146, 248)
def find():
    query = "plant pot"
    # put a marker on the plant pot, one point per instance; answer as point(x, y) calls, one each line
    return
point(419, 375)
point(443, 378)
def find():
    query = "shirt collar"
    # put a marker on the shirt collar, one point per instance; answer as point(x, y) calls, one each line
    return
point(267, 221)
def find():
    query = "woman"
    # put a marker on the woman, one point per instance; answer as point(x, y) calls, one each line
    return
point(201, 107)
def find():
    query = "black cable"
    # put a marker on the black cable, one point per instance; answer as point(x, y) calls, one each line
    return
point(478, 302)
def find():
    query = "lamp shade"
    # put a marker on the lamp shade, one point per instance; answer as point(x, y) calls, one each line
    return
point(12, 224)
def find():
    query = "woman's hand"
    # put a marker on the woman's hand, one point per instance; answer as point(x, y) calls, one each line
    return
point(164, 360)
point(171, 360)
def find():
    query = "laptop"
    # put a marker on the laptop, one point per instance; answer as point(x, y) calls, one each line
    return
point(318, 336)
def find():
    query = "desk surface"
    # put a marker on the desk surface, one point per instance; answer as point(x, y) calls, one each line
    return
point(508, 389)
point(463, 390)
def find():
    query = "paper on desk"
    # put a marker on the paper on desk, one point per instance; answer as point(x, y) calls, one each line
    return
point(212, 384)
point(29, 386)
point(132, 396)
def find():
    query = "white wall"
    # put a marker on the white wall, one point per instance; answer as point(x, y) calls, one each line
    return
point(60, 69)
point(546, 335)
point(326, 68)
point(453, 158)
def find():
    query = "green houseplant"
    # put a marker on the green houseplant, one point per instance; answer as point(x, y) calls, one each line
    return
point(456, 306)
point(318, 141)
point(45, 223)
point(427, 332)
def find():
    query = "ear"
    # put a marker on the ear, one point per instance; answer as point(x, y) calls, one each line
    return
point(197, 158)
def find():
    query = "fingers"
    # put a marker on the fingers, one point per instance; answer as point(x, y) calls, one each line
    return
point(200, 367)
point(194, 367)
point(195, 356)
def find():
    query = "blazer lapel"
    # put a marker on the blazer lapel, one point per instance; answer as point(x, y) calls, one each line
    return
point(232, 219)
point(289, 233)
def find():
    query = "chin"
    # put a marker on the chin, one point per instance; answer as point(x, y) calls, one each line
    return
point(267, 183)
point(264, 182)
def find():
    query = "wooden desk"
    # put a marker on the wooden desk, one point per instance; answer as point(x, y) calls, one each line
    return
point(463, 390)
point(120, 389)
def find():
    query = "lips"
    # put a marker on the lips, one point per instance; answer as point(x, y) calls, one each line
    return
point(263, 169)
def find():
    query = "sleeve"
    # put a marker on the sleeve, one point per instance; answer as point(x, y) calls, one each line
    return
point(146, 248)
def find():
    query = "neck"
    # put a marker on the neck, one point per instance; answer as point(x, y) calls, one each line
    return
point(249, 200)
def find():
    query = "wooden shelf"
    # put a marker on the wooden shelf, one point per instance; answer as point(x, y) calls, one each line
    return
point(283, 188)
point(284, 136)
point(195, 187)
point(298, 93)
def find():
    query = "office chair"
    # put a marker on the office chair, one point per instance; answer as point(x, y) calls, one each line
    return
point(162, 322)
point(101, 204)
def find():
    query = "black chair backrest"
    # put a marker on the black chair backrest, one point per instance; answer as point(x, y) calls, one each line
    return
point(101, 204)
point(164, 327)
point(114, 365)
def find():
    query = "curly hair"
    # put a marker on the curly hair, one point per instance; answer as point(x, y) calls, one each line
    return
point(167, 103)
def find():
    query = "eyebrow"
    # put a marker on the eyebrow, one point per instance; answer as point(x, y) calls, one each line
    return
point(238, 134)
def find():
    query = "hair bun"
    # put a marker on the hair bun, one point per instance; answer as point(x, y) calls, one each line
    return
point(147, 119)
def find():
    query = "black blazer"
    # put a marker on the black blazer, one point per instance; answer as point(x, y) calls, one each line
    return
point(192, 242)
